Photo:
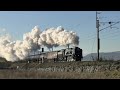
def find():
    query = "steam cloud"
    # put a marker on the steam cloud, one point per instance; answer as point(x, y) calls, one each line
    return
point(52, 37)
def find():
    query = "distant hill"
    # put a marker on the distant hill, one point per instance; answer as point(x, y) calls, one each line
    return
point(106, 56)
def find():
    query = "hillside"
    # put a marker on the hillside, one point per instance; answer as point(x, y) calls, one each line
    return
point(103, 55)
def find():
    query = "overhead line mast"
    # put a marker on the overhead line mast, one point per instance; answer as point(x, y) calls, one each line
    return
point(98, 40)
point(97, 27)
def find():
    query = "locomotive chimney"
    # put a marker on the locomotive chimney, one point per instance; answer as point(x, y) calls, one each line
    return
point(42, 49)
point(52, 48)
point(68, 45)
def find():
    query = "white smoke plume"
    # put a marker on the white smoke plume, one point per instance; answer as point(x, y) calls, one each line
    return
point(52, 37)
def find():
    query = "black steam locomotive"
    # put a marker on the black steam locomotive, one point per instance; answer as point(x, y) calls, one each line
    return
point(68, 54)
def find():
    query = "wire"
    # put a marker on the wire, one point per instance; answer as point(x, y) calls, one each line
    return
point(113, 35)
point(92, 49)
point(93, 45)
point(109, 33)
point(103, 29)
point(109, 26)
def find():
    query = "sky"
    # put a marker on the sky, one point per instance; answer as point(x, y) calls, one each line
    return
point(16, 23)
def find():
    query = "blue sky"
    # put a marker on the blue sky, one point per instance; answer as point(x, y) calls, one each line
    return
point(16, 23)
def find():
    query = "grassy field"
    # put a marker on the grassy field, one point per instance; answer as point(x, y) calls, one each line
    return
point(70, 70)
point(15, 74)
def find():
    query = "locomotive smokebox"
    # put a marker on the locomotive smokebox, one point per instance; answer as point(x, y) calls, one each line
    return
point(42, 49)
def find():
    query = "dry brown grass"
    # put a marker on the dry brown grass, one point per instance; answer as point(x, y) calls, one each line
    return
point(69, 70)
point(15, 74)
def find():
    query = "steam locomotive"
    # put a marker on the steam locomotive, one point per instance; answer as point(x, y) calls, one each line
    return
point(68, 54)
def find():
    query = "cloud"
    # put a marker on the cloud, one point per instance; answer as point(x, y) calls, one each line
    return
point(52, 37)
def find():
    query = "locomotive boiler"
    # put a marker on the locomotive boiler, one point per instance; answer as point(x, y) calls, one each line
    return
point(68, 54)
